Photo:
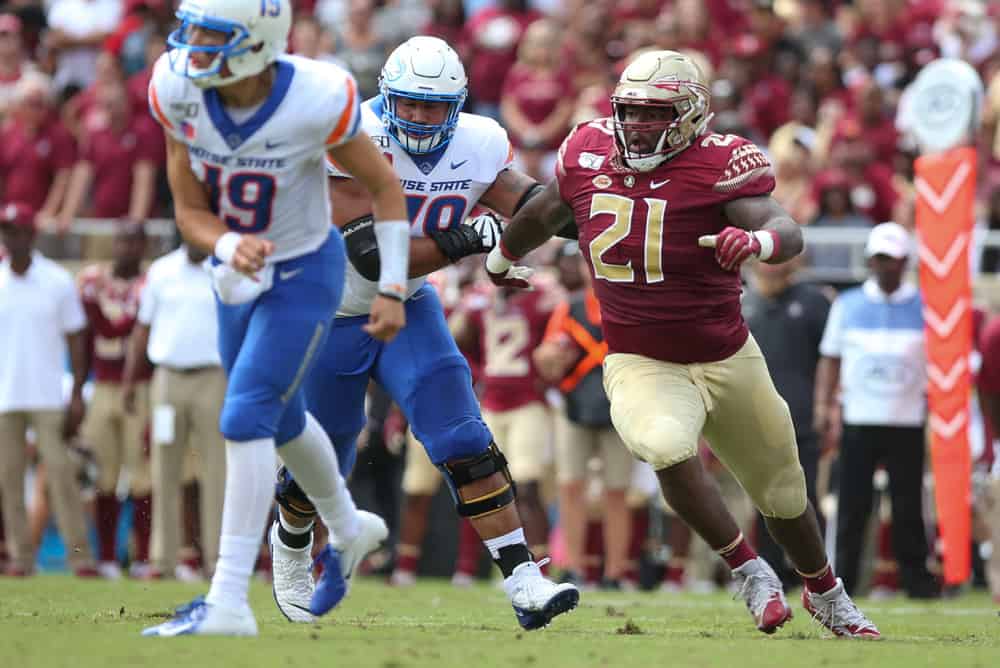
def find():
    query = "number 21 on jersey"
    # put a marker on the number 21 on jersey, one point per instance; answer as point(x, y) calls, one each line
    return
point(623, 210)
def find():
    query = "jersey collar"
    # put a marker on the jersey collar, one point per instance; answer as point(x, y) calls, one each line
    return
point(235, 134)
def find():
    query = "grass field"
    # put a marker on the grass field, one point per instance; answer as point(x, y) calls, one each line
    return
point(58, 621)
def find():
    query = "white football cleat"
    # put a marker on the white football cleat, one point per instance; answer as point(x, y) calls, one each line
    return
point(535, 598)
point(292, 581)
point(402, 578)
point(761, 589)
point(836, 611)
point(203, 619)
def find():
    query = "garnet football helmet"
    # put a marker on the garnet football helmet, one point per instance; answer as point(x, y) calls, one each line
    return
point(665, 79)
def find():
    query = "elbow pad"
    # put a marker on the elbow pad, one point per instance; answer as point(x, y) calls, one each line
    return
point(362, 247)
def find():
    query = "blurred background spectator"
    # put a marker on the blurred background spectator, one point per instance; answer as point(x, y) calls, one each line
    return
point(40, 317)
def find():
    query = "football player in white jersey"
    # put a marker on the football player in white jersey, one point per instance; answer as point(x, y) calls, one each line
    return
point(448, 162)
point(247, 130)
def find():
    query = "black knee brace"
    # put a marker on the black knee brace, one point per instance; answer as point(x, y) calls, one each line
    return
point(290, 496)
point(460, 473)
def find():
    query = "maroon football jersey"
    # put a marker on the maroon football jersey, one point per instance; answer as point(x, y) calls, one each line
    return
point(661, 295)
point(510, 326)
point(111, 305)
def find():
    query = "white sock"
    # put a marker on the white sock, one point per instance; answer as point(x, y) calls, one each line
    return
point(250, 469)
point(313, 464)
point(291, 528)
point(515, 537)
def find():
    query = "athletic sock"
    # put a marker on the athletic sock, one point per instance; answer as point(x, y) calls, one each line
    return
point(738, 552)
point(311, 460)
point(250, 467)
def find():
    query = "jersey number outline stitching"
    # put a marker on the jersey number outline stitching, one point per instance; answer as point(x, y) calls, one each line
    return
point(252, 192)
point(622, 209)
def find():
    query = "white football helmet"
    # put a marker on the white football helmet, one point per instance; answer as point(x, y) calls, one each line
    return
point(256, 31)
point(665, 79)
point(422, 68)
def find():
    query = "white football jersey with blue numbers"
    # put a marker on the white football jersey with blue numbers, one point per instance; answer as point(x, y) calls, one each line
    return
point(441, 187)
point(265, 174)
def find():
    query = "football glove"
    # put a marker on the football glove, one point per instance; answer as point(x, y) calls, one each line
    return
point(504, 273)
point(734, 246)
point(476, 235)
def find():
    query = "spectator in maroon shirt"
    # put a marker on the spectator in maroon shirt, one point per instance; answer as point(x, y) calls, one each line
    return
point(138, 83)
point(13, 63)
point(120, 161)
point(878, 129)
point(36, 151)
point(447, 21)
point(81, 115)
point(538, 100)
point(493, 35)
point(766, 95)
point(871, 183)
point(584, 51)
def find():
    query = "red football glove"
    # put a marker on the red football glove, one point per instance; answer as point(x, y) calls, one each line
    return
point(504, 273)
point(733, 247)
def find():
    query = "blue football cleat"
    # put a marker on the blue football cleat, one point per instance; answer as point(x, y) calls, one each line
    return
point(201, 618)
point(331, 587)
point(339, 565)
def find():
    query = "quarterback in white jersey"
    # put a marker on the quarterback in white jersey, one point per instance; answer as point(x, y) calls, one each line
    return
point(447, 162)
point(247, 129)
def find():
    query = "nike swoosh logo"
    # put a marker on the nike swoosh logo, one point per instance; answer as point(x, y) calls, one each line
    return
point(273, 144)
point(654, 185)
point(291, 273)
point(456, 165)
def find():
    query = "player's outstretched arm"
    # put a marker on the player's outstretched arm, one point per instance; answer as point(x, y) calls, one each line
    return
point(199, 226)
point(359, 157)
point(534, 224)
point(511, 191)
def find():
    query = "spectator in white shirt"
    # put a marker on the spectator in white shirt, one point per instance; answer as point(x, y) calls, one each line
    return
point(40, 314)
point(77, 29)
point(177, 332)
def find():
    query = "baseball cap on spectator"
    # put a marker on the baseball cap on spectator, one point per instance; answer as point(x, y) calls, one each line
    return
point(10, 24)
point(890, 239)
point(17, 214)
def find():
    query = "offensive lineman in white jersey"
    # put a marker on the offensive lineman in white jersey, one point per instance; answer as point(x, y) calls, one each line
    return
point(247, 130)
point(447, 161)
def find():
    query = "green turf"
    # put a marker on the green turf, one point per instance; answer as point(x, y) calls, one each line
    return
point(59, 621)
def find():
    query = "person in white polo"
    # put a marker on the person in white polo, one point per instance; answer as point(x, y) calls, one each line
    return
point(40, 315)
point(177, 332)
point(873, 349)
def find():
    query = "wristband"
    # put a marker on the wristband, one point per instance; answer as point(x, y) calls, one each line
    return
point(768, 244)
point(393, 237)
point(225, 247)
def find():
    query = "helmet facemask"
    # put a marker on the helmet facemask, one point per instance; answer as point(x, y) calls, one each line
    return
point(419, 138)
point(686, 117)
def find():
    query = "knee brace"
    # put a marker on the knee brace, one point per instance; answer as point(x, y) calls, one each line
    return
point(784, 495)
point(290, 496)
point(462, 472)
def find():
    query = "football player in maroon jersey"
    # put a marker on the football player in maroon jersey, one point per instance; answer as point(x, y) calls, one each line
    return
point(651, 190)
point(508, 325)
point(110, 296)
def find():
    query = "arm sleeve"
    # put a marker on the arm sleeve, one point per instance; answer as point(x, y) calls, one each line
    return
point(833, 336)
